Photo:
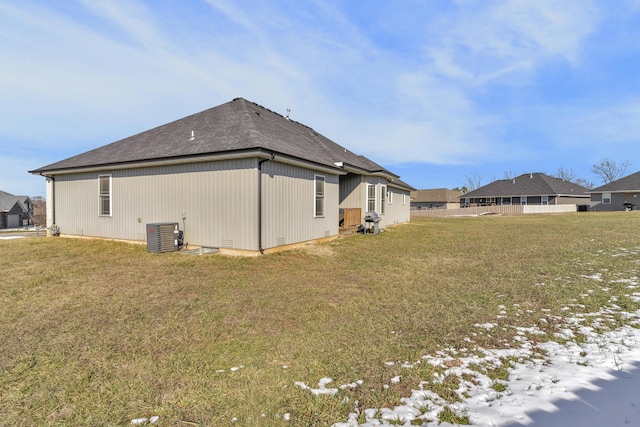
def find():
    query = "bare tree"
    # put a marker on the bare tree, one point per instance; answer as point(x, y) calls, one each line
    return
point(570, 176)
point(565, 174)
point(509, 174)
point(609, 170)
point(474, 181)
point(38, 215)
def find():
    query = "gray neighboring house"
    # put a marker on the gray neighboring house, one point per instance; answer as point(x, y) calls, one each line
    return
point(238, 177)
point(15, 211)
point(527, 189)
point(619, 195)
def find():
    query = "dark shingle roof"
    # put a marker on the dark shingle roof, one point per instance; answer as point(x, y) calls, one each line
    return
point(8, 201)
point(627, 183)
point(234, 126)
point(530, 184)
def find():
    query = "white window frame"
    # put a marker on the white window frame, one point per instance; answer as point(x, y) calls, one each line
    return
point(389, 196)
point(606, 198)
point(523, 200)
point(383, 199)
point(318, 196)
point(371, 201)
point(544, 200)
point(404, 199)
point(105, 196)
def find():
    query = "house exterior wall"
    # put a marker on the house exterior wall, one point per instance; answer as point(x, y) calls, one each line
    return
point(618, 201)
point(351, 191)
point(353, 194)
point(288, 205)
point(398, 207)
point(215, 203)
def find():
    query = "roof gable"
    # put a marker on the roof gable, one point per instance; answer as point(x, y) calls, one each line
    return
point(530, 184)
point(9, 201)
point(235, 126)
point(627, 183)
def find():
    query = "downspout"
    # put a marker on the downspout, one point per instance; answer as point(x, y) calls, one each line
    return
point(260, 162)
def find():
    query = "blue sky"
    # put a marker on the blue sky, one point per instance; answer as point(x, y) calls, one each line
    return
point(436, 91)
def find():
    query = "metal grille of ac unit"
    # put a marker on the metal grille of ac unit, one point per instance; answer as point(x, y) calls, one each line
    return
point(162, 237)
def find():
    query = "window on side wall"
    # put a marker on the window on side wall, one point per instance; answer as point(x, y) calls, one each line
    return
point(545, 200)
point(404, 199)
point(383, 199)
point(523, 200)
point(371, 197)
point(606, 198)
point(319, 196)
point(105, 194)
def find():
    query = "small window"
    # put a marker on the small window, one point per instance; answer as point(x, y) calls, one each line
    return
point(606, 198)
point(545, 200)
point(523, 200)
point(371, 197)
point(467, 201)
point(105, 195)
point(383, 198)
point(404, 199)
point(319, 196)
point(389, 197)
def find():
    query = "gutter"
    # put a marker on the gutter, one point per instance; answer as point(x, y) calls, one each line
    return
point(260, 162)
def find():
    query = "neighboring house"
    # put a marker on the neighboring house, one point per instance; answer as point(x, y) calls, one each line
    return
point(618, 195)
point(14, 210)
point(439, 198)
point(237, 177)
point(527, 189)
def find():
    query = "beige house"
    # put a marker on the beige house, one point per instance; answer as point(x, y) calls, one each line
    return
point(238, 177)
point(438, 198)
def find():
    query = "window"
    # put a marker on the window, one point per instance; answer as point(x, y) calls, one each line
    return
point(105, 194)
point(523, 200)
point(319, 193)
point(383, 198)
point(467, 202)
point(389, 197)
point(545, 200)
point(606, 198)
point(371, 197)
point(506, 201)
point(404, 199)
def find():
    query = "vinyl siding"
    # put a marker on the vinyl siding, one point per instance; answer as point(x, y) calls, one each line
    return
point(288, 205)
point(219, 200)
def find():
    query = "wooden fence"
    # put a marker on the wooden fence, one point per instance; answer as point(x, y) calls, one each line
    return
point(501, 210)
point(350, 217)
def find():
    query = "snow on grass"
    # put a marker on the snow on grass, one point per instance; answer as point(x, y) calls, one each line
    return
point(540, 375)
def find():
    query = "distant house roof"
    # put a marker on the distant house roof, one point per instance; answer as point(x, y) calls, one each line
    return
point(234, 127)
point(435, 195)
point(8, 201)
point(627, 183)
point(530, 184)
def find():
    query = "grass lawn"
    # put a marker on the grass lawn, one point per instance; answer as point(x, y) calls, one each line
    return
point(98, 333)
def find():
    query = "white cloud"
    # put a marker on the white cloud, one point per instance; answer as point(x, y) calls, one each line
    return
point(486, 41)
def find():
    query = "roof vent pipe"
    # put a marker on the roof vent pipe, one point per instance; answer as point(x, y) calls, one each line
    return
point(288, 112)
point(193, 135)
point(514, 180)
